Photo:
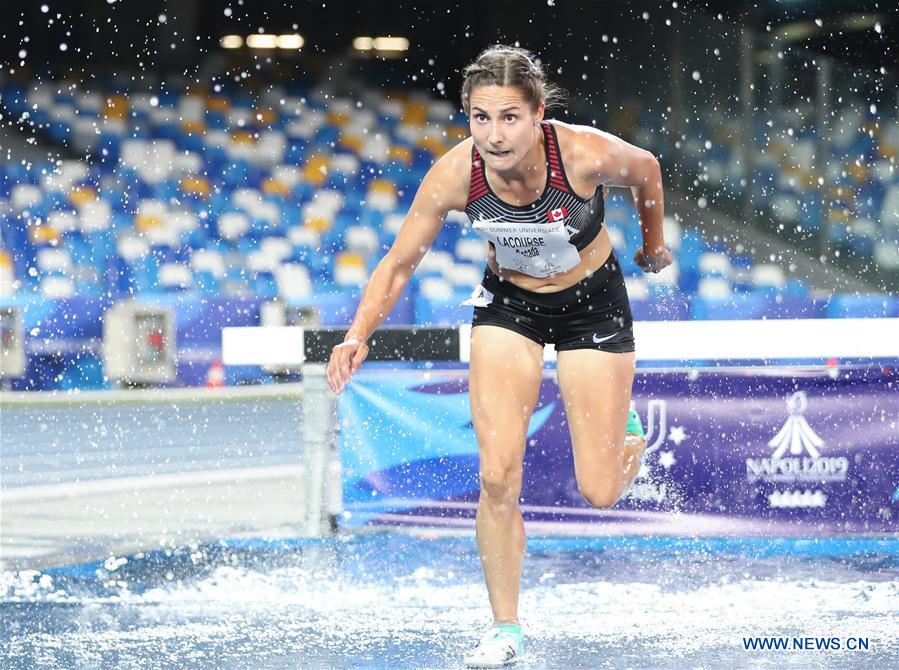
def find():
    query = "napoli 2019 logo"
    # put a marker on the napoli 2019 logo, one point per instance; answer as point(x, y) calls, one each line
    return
point(797, 452)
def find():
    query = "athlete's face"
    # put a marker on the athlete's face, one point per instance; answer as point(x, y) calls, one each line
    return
point(504, 125)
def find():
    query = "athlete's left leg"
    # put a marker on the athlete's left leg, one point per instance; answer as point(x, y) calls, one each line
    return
point(596, 388)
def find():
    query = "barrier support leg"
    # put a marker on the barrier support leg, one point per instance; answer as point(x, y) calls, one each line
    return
point(321, 452)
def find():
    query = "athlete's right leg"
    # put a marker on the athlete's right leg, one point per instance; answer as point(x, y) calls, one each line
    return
point(505, 374)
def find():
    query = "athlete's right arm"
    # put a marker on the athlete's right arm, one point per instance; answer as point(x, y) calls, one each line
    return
point(444, 188)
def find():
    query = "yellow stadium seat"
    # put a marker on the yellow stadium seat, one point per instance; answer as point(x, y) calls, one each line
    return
point(415, 113)
point(42, 235)
point(195, 186)
point(116, 107)
point(217, 104)
point(400, 153)
point(81, 195)
point(382, 186)
point(316, 170)
point(350, 259)
point(778, 150)
point(338, 118)
point(839, 215)
point(243, 137)
point(145, 222)
point(353, 142)
point(319, 224)
point(457, 132)
point(272, 186)
point(196, 127)
point(888, 151)
point(858, 172)
point(433, 145)
point(265, 117)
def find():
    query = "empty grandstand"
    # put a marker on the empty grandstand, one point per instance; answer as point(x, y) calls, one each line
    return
point(213, 196)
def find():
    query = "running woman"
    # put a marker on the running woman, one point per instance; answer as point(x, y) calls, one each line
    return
point(534, 189)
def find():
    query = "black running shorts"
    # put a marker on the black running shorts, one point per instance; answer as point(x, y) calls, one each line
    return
point(592, 314)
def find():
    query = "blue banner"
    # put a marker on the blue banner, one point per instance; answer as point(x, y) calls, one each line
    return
point(742, 451)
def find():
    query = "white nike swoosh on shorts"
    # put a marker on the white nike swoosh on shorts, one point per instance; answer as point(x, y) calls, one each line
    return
point(597, 340)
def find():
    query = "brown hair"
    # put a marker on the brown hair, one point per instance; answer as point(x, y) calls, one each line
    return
point(502, 65)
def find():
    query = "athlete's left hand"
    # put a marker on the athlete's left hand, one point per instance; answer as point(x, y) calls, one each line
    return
point(653, 260)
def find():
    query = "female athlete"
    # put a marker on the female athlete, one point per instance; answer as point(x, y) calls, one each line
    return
point(534, 189)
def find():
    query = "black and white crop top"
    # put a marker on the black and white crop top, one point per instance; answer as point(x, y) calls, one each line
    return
point(542, 238)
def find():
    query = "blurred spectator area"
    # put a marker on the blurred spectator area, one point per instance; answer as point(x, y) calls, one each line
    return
point(217, 198)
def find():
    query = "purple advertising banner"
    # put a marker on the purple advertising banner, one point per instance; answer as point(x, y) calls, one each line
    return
point(777, 451)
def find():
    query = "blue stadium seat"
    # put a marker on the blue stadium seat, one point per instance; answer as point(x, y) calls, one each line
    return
point(673, 306)
point(736, 306)
point(851, 305)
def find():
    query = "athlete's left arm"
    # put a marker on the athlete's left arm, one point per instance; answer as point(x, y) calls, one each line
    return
point(604, 158)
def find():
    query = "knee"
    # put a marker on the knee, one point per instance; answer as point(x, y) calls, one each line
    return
point(500, 485)
point(600, 496)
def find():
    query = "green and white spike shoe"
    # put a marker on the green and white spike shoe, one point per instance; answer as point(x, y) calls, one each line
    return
point(634, 425)
point(500, 646)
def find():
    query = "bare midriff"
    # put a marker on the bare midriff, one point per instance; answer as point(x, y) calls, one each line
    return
point(593, 256)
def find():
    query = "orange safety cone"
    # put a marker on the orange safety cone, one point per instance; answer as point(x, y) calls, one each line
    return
point(215, 375)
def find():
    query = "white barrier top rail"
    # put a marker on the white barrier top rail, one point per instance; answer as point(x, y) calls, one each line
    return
point(656, 341)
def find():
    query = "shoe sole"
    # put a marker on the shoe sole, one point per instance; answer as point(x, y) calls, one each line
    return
point(503, 664)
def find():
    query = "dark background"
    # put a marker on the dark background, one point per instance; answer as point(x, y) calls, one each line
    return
point(122, 36)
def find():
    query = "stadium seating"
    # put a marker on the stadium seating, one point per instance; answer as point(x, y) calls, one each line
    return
point(296, 196)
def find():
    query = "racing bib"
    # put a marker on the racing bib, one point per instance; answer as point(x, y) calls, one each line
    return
point(535, 249)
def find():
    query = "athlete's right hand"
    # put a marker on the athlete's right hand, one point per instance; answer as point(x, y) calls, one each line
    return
point(344, 362)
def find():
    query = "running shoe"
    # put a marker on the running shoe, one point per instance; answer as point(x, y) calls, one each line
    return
point(635, 446)
point(499, 646)
point(634, 425)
